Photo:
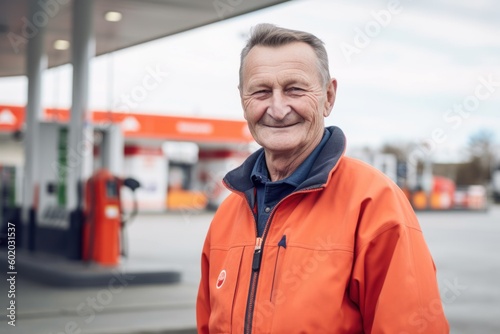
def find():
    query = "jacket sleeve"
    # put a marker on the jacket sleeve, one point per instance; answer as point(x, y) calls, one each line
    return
point(203, 308)
point(394, 277)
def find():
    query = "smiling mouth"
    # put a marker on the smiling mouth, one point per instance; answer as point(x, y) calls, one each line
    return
point(281, 126)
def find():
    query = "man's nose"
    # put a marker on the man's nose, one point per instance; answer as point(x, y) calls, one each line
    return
point(278, 108)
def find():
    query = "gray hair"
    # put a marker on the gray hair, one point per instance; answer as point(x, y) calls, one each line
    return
point(266, 34)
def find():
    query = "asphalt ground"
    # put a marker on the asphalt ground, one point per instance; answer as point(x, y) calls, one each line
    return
point(465, 248)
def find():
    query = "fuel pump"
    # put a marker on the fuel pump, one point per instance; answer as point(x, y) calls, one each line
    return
point(104, 227)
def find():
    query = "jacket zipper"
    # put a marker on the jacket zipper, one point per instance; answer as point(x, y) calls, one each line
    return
point(257, 257)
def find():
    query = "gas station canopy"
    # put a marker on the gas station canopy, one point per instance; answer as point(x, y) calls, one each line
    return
point(118, 24)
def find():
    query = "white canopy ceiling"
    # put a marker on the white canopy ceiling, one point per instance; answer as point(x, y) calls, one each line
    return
point(142, 21)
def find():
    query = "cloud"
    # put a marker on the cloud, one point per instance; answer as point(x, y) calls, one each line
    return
point(448, 29)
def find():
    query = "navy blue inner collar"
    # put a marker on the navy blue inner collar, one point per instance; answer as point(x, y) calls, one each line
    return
point(260, 173)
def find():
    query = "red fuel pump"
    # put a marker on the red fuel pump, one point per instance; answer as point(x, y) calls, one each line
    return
point(103, 231)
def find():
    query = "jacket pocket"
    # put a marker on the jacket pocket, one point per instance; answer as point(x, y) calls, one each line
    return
point(224, 276)
point(280, 255)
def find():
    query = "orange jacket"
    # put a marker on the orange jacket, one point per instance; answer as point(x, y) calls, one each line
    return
point(344, 253)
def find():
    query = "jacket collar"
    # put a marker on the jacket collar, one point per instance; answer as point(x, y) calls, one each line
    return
point(239, 179)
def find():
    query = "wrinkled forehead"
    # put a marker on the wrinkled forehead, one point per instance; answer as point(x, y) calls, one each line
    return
point(296, 54)
point(297, 51)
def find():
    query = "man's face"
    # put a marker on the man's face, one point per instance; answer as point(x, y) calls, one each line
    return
point(283, 98)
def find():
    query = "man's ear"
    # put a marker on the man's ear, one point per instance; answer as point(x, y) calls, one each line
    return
point(331, 93)
point(241, 101)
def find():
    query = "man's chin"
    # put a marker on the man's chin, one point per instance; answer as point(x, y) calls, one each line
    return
point(278, 146)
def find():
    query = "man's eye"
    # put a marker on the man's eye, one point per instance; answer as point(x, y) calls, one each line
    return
point(261, 92)
point(295, 90)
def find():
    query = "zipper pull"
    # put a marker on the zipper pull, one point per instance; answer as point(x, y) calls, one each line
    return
point(257, 255)
point(282, 242)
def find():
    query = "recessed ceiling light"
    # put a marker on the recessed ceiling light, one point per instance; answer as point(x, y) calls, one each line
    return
point(113, 16)
point(61, 44)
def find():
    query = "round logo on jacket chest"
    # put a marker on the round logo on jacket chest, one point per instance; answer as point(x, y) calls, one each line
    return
point(221, 279)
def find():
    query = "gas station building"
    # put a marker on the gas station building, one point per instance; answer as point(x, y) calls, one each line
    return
point(50, 158)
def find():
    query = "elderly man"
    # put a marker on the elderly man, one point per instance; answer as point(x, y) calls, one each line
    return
point(310, 241)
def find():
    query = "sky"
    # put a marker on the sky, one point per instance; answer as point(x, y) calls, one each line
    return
point(408, 71)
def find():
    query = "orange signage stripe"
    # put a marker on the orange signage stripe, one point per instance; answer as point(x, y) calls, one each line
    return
point(138, 125)
point(11, 118)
